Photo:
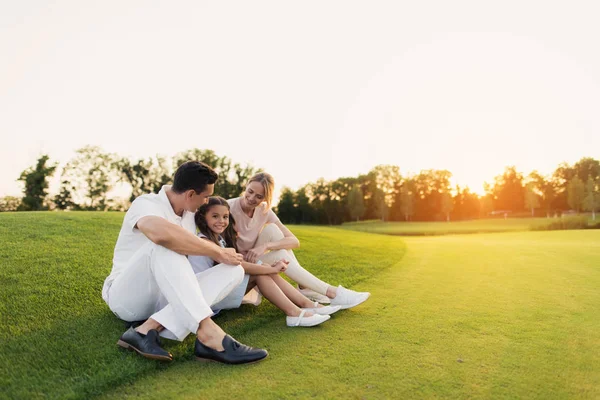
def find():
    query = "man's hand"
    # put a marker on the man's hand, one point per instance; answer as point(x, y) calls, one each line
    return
point(229, 256)
point(253, 254)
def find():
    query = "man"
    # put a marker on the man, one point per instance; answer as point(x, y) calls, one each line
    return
point(152, 279)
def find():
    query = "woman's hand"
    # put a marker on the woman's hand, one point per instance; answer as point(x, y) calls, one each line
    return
point(253, 254)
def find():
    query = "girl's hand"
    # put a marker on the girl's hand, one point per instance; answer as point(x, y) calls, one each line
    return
point(253, 254)
point(281, 265)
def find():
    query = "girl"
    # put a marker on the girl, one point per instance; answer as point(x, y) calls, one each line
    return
point(262, 237)
point(215, 223)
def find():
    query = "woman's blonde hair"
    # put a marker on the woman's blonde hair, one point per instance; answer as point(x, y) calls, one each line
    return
point(268, 184)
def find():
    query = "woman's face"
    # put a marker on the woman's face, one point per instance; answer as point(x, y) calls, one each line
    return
point(217, 218)
point(254, 194)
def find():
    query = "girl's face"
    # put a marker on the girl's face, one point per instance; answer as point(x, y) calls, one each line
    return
point(254, 194)
point(217, 218)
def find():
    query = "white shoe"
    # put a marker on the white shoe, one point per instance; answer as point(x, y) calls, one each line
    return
point(314, 296)
point(301, 320)
point(346, 298)
point(326, 310)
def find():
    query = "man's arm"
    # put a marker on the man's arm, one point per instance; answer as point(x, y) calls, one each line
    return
point(174, 237)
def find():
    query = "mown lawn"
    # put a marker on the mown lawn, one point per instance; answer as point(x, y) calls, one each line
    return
point(492, 316)
point(453, 227)
point(57, 337)
point(504, 315)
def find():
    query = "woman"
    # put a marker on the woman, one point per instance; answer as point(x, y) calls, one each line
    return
point(262, 236)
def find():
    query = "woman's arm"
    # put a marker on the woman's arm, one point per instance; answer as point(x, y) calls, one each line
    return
point(288, 242)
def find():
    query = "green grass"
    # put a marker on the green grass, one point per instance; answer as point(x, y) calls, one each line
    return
point(57, 337)
point(509, 315)
point(453, 227)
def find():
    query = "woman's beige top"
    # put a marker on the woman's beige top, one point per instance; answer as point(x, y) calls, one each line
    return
point(247, 227)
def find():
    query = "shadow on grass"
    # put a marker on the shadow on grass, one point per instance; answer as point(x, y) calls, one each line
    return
point(79, 358)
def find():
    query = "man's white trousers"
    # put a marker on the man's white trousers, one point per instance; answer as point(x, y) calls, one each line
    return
point(160, 284)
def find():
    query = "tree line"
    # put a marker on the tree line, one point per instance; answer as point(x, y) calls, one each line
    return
point(382, 193)
point(87, 180)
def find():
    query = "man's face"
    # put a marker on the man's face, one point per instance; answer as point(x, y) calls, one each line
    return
point(194, 201)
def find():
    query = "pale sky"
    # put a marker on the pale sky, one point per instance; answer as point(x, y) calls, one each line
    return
point(303, 89)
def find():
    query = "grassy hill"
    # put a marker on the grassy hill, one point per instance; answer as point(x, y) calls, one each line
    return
point(502, 315)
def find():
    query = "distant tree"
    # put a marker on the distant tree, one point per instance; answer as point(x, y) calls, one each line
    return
point(428, 188)
point(9, 203)
point(144, 175)
point(387, 178)
point(92, 174)
point(64, 199)
point(587, 168)
point(508, 191)
point(305, 213)
point(286, 210)
point(380, 207)
point(546, 189)
point(447, 204)
point(35, 181)
point(486, 205)
point(356, 203)
point(532, 200)
point(407, 199)
point(576, 194)
point(591, 202)
point(232, 176)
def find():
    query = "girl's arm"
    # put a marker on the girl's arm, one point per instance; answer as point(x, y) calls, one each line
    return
point(264, 269)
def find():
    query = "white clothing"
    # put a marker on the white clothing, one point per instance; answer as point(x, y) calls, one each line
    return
point(272, 233)
point(238, 295)
point(132, 239)
point(148, 280)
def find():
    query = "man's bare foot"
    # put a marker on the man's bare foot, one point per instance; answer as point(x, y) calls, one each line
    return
point(211, 334)
point(148, 325)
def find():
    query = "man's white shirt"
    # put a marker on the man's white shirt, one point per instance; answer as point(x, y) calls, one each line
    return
point(131, 239)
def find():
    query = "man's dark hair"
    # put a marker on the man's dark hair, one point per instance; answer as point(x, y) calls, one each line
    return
point(193, 175)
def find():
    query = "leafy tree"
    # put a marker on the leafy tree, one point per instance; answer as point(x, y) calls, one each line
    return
point(92, 174)
point(286, 210)
point(545, 187)
point(407, 199)
point(144, 176)
point(487, 205)
point(447, 204)
point(305, 213)
point(591, 202)
point(9, 203)
point(35, 180)
point(531, 198)
point(380, 207)
point(64, 199)
point(576, 194)
point(356, 203)
point(508, 191)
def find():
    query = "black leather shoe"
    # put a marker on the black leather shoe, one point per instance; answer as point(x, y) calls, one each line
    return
point(234, 353)
point(147, 345)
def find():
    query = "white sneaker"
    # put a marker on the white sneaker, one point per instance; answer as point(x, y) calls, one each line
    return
point(346, 298)
point(314, 296)
point(326, 310)
point(301, 320)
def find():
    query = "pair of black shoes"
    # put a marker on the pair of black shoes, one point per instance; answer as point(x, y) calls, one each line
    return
point(149, 346)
